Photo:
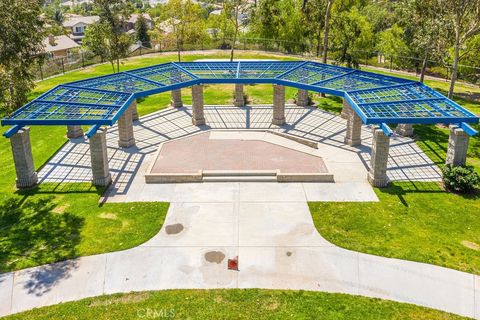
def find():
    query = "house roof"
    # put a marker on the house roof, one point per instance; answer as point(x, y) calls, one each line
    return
point(70, 22)
point(61, 43)
point(134, 17)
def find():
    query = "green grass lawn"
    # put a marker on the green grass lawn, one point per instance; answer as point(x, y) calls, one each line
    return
point(234, 304)
point(412, 221)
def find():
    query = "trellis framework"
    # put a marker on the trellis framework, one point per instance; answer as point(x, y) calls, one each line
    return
point(377, 99)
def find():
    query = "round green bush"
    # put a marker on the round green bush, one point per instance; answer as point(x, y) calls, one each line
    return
point(462, 179)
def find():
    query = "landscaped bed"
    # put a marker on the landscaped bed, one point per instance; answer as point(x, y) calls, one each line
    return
point(244, 304)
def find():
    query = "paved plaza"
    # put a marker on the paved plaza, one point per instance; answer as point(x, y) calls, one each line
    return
point(348, 164)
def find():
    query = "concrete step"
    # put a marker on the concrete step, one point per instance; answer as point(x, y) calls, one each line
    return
point(240, 179)
point(239, 173)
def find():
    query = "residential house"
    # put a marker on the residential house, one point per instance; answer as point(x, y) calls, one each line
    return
point(59, 46)
point(78, 24)
point(130, 25)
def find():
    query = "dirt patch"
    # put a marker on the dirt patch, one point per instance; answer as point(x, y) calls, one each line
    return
point(108, 215)
point(471, 245)
point(174, 228)
point(60, 209)
point(124, 299)
point(214, 256)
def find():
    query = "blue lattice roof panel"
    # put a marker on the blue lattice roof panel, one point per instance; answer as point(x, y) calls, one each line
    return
point(376, 98)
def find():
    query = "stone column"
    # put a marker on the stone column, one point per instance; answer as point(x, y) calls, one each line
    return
point(198, 117)
point(74, 132)
point(302, 98)
point(346, 108)
point(278, 105)
point(23, 159)
point(99, 157)
point(176, 100)
point(457, 146)
point(404, 129)
point(377, 175)
point(125, 129)
point(239, 96)
point(134, 111)
point(354, 127)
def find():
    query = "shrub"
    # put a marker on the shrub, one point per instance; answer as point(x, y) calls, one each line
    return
point(462, 179)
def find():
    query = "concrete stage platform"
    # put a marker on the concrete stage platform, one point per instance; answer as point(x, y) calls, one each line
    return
point(237, 156)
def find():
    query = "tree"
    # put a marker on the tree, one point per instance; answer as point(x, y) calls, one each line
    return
point(391, 43)
point(20, 50)
point(352, 34)
point(185, 19)
point(113, 15)
point(464, 16)
point(141, 31)
point(233, 9)
point(327, 30)
point(95, 40)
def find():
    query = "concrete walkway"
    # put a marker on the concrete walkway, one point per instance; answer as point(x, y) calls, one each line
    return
point(269, 227)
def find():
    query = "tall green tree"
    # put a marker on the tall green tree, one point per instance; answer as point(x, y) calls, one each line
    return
point(464, 16)
point(20, 50)
point(233, 9)
point(141, 31)
point(352, 35)
point(113, 16)
point(185, 18)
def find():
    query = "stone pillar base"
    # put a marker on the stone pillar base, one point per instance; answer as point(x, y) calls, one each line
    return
point(278, 105)
point(352, 142)
point(74, 132)
point(23, 159)
point(405, 130)
point(103, 181)
point(354, 127)
point(377, 182)
point(126, 143)
point(198, 118)
point(278, 122)
point(457, 147)
point(176, 100)
point(27, 182)
point(302, 98)
point(126, 138)
point(198, 122)
point(377, 175)
point(239, 100)
point(99, 158)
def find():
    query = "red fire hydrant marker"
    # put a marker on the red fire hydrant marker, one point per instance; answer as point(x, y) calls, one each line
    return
point(233, 264)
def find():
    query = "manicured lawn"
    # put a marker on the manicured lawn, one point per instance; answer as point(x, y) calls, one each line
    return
point(234, 304)
point(412, 221)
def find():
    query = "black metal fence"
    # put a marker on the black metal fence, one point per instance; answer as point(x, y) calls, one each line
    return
point(83, 58)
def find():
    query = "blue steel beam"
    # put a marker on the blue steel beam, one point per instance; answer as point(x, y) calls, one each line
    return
point(386, 129)
point(13, 130)
point(468, 129)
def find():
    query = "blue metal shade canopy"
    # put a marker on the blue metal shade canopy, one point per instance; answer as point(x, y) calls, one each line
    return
point(377, 99)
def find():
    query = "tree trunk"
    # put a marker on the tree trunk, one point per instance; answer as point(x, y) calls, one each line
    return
point(456, 57)
point(424, 67)
point(327, 29)
point(233, 44)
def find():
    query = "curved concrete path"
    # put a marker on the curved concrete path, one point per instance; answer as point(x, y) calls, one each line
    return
point(269, 227)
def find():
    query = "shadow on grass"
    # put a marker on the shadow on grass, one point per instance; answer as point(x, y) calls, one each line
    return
point(62, 188)
point(400, 189)
point(34, 232)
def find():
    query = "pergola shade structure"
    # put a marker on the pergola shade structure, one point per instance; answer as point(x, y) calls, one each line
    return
point(372, 98)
